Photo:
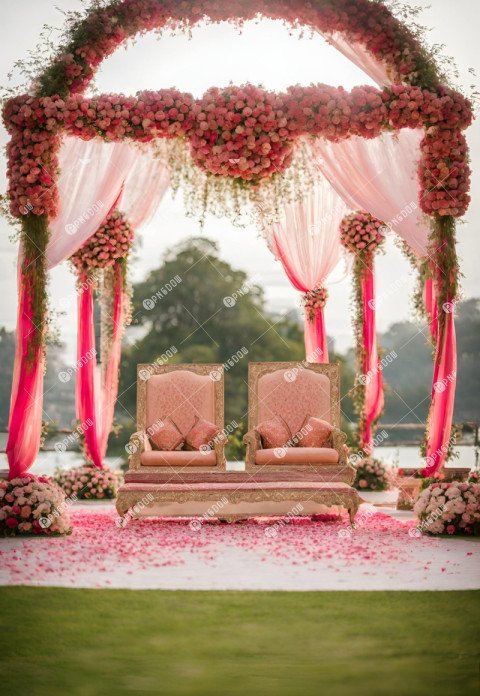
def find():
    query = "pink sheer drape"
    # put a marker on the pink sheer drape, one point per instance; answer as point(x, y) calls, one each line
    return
point(371, 368)
point(96, 398)
point(305, 240)
point(145, 186)
point(85, 375)
point(440, 416)
point(316, 344)
point(25, 421)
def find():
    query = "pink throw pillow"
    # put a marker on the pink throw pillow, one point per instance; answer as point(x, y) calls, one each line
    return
point(314, 432)
point(201, 434)
point(274, 433)
point(167, 437)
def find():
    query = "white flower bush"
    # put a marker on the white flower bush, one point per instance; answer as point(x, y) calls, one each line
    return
point(449, 508)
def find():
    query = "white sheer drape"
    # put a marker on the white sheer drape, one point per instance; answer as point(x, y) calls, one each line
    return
point(306, 241)
point(94, 177)
point(358, 54)
point(378, 176)
point(306, 237)
point(145, 185)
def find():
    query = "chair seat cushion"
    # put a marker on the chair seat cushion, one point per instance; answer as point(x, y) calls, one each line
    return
point(178, 458)
point(296, 455)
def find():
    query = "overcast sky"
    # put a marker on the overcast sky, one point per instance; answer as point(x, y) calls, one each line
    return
point(263, 54)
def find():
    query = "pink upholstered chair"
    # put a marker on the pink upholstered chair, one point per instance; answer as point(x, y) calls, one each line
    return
point(293, 391)
point(178, 393)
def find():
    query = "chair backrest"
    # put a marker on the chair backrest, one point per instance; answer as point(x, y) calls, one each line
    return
point(293, 391)
point(179, 392)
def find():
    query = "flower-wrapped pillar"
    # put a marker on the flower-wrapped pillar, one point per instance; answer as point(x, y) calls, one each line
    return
point(362, 234)
point(32, 165)
point(101, 263)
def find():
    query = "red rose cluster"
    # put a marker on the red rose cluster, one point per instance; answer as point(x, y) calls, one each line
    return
point(112, 241)
point(361, 232)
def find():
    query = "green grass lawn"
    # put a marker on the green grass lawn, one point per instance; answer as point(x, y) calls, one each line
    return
point(89, 642)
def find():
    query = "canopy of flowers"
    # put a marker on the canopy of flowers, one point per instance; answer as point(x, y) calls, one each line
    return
point(240, 132)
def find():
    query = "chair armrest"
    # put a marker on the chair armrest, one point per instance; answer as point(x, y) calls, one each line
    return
point(219, 443)
point(137, 444)
point(339, 440)
point(253, 442)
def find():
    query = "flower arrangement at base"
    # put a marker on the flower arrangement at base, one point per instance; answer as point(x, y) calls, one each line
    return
point(449, 508)
point(313, 301)
point(33, 505)
point(89, 482)
point(372, 475)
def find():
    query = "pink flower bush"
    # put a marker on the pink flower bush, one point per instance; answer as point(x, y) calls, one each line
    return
point(372, 475)
point(315, 300)
point(361, 232)
point(449, 508)
point(89, 483)
point(33, 505)
point(112, 241)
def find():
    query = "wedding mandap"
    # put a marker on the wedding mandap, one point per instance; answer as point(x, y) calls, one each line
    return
point(326, 173)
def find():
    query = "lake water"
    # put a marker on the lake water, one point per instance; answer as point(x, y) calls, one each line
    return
point(406, 457)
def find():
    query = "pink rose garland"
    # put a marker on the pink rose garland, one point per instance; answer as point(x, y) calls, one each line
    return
point(243, 132)
point(367, 23)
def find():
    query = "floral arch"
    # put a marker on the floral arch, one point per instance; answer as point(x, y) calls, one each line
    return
point(250, 137)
